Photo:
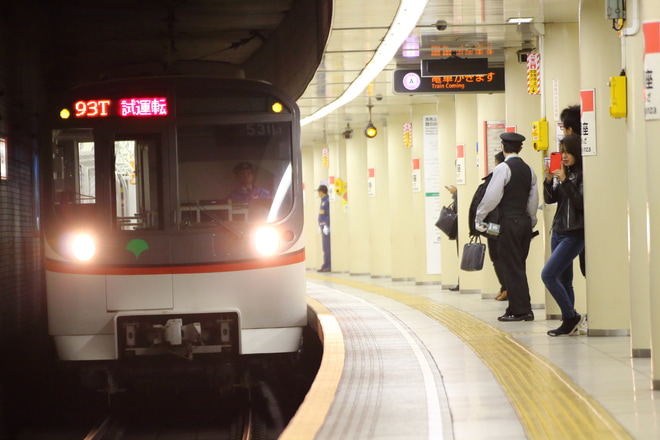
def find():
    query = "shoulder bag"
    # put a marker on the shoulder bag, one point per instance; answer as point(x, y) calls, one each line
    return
point(448, 221)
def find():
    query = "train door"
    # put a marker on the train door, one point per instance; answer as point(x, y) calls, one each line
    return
point(138, 183)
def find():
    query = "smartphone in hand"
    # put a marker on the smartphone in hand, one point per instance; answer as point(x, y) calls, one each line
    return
point(555, 161)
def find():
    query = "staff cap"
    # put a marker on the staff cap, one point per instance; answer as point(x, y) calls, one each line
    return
point(512, 137)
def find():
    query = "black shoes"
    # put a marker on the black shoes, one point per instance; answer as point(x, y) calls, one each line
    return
point(568, 327)
point(323, 270)
point(510, 318)
point(455, 288)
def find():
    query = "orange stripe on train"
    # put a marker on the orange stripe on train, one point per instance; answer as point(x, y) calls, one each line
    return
point(235, 266)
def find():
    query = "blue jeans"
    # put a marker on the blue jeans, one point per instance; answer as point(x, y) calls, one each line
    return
point(557, 273)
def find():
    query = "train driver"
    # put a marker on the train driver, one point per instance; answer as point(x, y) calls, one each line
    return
point(246, 190)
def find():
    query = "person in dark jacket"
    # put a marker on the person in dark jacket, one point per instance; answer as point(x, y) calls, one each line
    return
point(564, 187)
point(571, 121)
point(492, 217)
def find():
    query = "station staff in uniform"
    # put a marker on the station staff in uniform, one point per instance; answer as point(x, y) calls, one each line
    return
point(512, 190)
point(324, 226)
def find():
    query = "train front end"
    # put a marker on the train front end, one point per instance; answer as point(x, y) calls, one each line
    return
point(173, 221)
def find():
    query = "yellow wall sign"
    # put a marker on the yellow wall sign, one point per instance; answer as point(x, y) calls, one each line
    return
point(534, 73)
point(407, 135)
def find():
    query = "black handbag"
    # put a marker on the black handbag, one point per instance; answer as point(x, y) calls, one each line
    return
point(473, 254)
point(448, 221)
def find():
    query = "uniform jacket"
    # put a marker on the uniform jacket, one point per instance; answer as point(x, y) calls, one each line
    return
point(324, 211)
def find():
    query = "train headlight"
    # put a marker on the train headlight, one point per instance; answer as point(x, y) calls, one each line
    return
point(83, 247)
point(267, 240)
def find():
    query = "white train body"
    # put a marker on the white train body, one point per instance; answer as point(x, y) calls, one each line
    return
point(148, 250)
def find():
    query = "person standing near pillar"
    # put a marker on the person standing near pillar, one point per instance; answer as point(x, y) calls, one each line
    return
point(324, 226)
point(571, 120)
point(512, 190)
point(564, 187)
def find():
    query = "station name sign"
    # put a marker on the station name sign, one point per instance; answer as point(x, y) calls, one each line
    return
point(411, 82)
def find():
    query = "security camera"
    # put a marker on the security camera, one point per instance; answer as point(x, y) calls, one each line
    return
point(441, 25)
point(522, 55)
point(379, 97)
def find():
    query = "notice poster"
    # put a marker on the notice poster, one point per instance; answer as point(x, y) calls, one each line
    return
point(331, 188)
point(416, 176)
point(431, 155)
point(371, 182)
point(651, 70)
point(493, 142)
point(460, 164)
point(431, 188)
point(588, 119)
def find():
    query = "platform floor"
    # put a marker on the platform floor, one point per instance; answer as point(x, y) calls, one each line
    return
point(405, 361)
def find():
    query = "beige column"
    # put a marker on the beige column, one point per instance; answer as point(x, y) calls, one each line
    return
point(605, 181)
point(446, 111)
point(311, 258)
point(490, 107)
point(651, 12)
point(640, 318)
point(561, 86)
point(467, 135)
point(521, 110)
point(425, 201)
point(340, 243)
point(401, 206)
point(378, 201)
point(357, 208)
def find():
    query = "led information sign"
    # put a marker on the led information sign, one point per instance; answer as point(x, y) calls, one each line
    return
point(143, 107)
point(412, 82)
point(125, 107)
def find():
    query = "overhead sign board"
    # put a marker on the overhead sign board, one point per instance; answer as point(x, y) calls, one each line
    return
point(454, 66)
point(411, 82)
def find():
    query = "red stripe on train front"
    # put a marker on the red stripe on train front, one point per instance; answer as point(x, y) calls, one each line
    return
point(90, 269)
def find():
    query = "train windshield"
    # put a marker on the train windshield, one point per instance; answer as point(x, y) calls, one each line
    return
point(238, 172)
point(234, 173)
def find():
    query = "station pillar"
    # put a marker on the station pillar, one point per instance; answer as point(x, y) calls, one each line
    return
point(605, 177)
point(651, 79)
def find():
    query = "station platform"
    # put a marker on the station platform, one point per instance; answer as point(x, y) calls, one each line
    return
point(405, 361)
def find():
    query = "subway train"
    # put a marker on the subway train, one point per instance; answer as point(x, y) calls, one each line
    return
point(173, 221)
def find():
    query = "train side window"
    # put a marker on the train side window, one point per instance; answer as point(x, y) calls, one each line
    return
point(74, 167)
point(137, 188)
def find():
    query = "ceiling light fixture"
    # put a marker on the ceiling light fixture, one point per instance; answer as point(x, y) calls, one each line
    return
point(370, 130)
point(520, 20)
point(348, 132)
point(403, 24)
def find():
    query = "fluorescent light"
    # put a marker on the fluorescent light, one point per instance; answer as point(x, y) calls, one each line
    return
point(404, 22)
point(410, 48)
point(520, 20)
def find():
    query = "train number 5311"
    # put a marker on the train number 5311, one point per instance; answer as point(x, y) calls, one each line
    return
point(263, 130)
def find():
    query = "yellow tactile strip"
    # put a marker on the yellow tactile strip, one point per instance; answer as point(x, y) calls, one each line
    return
point(549, 404)
point(310, 416)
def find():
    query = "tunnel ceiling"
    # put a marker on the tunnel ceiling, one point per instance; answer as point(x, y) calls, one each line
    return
point(279, 41)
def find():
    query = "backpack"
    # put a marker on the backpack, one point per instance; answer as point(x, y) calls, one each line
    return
point(474, 204)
